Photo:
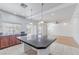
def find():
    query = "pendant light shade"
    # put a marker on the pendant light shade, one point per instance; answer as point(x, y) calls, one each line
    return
point(41, 20)
point(42, 11)
point(31, 14)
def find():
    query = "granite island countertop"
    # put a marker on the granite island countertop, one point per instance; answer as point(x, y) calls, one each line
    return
point(38, 43)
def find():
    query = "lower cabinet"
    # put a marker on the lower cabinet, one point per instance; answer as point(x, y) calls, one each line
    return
point(4, 42)
point(13, 40)
point(7, 41)
point(18, 41)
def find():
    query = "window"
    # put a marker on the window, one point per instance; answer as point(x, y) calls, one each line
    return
point(10, 28)
point(31, 30)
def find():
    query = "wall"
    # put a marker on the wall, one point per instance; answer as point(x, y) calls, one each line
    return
point(71, 29)
point(59, 29)
point(8, 18)
point(75, 24)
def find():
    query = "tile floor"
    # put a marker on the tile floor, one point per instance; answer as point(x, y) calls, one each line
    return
point(55, 49)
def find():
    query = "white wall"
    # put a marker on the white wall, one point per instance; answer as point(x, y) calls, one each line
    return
point(70, 29)
point(75, 24)
point(64, 29)
point(59, 29)
point(8, 18)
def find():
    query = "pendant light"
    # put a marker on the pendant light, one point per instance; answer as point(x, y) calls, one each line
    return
point(42, 11)
point(31, 15)
point(42, 4)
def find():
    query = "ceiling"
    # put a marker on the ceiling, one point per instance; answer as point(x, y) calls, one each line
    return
point(61, 12)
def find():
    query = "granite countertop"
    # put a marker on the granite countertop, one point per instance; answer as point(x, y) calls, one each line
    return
point(38, 43)
point(13, 34)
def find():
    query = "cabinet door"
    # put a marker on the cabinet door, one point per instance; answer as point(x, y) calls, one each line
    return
point(17, 40)
point(4, 42)
point(12, 40)
point(0, 42)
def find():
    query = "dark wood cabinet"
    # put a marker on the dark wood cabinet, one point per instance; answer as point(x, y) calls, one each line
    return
point(12, 40)
point(7, 41)
point(4, 42)
point(18, 41)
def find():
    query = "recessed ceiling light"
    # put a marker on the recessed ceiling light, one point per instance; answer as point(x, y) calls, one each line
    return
point(65, 23)
point(41, 22)
point(31, 23)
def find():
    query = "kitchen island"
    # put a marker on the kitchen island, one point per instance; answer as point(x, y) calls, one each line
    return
point(41, 45)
